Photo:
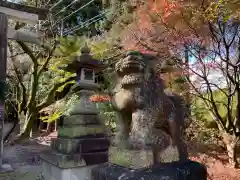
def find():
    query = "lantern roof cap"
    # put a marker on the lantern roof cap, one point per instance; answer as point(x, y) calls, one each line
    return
point(85, 49)
point(85, 60)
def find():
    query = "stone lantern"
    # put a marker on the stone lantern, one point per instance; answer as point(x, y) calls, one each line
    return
point(82, 141)
point(85, 67)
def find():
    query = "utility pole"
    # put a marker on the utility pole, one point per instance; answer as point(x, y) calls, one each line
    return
point(3, 64)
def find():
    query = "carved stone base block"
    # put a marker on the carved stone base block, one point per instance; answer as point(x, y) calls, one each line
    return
point(170, 154)
point(140, 158)
point(63, 160)
point(189, 170)
point(74, 160)
point(6, 168)
point(130, 158)
point(52, 172)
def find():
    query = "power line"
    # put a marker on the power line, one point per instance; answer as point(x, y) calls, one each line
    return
point(64, 9)
point(63, 19)
point(56, 4)
point(50, 9)
point(82, 25)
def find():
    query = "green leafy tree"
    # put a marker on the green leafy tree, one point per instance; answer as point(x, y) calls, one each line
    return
point(39, 94)
point(101, 49)
point(43, 83)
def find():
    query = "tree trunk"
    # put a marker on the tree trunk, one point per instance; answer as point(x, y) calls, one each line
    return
point(56, 125)
point(231, 142)
point(28, 126)
point(231, 150)
point(27, 129)
point(40, 126)
point(34, 127)
point(48, 127)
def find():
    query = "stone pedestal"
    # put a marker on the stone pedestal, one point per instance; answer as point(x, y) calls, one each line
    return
point(188, 170)
point(52, 172)
point(81, 142)
point(137, 164)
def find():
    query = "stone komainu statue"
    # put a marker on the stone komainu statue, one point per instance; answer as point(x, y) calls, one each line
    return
point(148, 116)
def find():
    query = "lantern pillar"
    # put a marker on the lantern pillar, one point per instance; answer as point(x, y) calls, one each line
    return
point(81, 143)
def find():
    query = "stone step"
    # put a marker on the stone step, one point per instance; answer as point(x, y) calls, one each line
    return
point(78, 131)
point(84, 106)
point(96, 157)
point(62, 160)
point(81, 119)
point(74, 160)
point(83, 145)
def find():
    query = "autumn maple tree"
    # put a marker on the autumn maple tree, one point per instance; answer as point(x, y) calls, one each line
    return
point(201, 37)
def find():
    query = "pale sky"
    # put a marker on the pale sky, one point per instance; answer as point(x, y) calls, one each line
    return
point(215, 76)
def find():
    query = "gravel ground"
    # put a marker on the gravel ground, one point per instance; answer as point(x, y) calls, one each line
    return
point(26, 172)
point(20, 155)
point(24, 159)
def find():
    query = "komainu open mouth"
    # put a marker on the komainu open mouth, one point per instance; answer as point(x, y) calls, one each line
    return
point(132, 79)
point(132, 66)
point(127, 66)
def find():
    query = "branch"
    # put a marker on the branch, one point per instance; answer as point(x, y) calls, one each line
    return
point(47, 59)
point(234, 36)
point(17, 54)
point(28, 51)
point(211, 101)
point(50, 97)
point(23, 102)
point(216, 109)
point(139, 40)
point(19, 25)
point(217, 50)
point(227, 60)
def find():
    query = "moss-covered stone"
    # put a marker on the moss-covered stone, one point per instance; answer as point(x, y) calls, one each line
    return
point(78, 131)
point(63, 160)
point(85, 106)
point(81, 145)
point(130, 158)
point(66, 146)
point(81, 119)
